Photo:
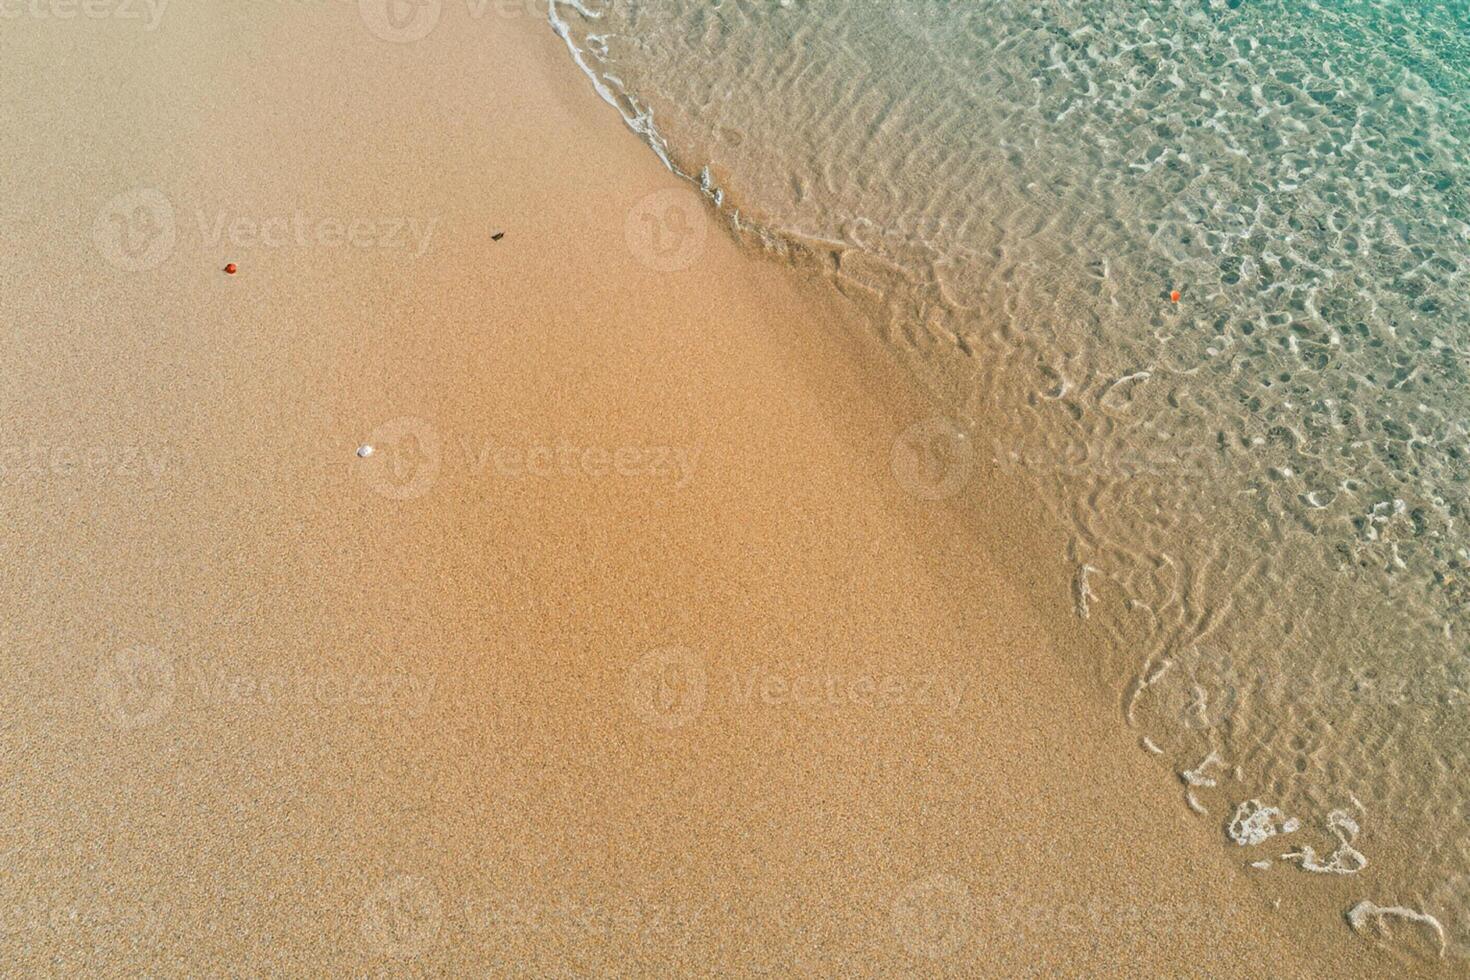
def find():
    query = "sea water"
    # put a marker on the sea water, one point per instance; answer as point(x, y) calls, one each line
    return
point(1265, 480)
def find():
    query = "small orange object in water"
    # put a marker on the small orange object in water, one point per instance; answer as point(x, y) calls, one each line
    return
point(1174, 296)
point(230, 268)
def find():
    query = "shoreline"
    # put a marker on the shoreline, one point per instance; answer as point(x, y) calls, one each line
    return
point(1336, 901)
point(580, 789)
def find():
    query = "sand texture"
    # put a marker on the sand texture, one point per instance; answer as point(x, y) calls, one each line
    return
point(640, 644)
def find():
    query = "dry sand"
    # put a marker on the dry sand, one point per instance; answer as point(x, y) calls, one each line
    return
point(624, 652)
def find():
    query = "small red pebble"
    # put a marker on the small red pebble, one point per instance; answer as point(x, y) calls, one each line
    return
point(230, 268)
point(1174, 296)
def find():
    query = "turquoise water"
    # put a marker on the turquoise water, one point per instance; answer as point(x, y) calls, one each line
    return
point(1265, 480)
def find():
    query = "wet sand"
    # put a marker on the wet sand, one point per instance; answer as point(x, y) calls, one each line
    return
point(638, 644)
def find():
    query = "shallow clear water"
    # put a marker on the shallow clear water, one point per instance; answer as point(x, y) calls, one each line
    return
point(1267, 477)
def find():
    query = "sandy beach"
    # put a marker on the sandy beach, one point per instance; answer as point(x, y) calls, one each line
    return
point(570, 602)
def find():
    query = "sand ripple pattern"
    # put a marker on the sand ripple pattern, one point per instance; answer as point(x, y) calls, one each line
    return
point(1267, 478)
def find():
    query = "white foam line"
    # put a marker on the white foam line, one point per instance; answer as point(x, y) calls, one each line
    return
point(1198, 776)
point(1140, 684)
point(1360, 914)
point(1082, 594)
point(641, 124)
